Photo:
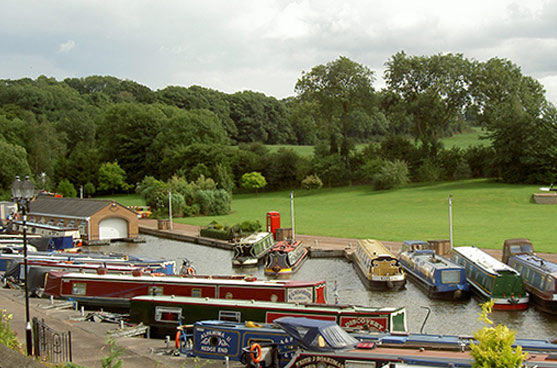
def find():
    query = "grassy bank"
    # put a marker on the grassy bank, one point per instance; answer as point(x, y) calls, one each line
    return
point(484, 213)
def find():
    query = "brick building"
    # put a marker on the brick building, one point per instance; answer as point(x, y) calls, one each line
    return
point(97, 220)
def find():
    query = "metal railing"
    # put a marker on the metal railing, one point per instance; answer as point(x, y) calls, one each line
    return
point(51, 345)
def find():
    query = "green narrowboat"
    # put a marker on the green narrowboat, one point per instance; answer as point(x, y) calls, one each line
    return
point(251, 250)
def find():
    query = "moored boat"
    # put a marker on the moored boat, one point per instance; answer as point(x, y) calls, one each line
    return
point(285, 258)
point(491, 279)
point(438, 277)
point(539, 275)
point(164, 313)
point(116, 290)
point(251, 250)
point(378, 268)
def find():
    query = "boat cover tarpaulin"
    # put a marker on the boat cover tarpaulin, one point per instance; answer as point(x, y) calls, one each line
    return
point(317, 335)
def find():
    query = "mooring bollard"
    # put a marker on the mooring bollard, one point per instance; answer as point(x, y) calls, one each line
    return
point(51, 299)
point(167, 339)
point(82, 311)
point(121, 324)
point(226, 359)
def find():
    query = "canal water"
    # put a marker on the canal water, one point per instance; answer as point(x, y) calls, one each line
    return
point(344, 286)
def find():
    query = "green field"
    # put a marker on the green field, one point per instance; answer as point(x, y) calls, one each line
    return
point(484, 213)
point(458, 140)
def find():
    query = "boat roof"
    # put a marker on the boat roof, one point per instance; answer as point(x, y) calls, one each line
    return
point(264, 304)
point(539, 263)
point(255, 237)
point(317, 335)
point(374, 248)
point(434, 260)
point(286, 245)
point(197, 279)
point(483, 259)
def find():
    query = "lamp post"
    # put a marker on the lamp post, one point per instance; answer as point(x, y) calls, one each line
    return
point(22, 194)
point(451, 221)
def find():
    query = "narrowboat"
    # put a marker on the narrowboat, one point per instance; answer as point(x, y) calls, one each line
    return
point(163, 265)
point(285, 258)
point(324, 344)
point(491, 279)
point(300, 341)
point(164, 313)
point(438, 277)
point(539, 275)
point(116, 290)
point(378, 268)
point(251, 250)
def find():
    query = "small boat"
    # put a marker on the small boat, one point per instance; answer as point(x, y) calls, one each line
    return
point(539, 275)
point(378, 268)
point(164, 313)
point(285, 258)
point(491, 279)
point(251, 250)
point(116, 290)
point(438, 277)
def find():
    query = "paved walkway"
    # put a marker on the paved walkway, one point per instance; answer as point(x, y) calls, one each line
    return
point(89, 338)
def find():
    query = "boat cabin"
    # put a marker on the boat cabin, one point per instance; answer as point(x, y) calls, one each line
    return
point(513, 247)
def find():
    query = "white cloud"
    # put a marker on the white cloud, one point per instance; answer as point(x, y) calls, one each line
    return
point(66, 47)
point(265, 45)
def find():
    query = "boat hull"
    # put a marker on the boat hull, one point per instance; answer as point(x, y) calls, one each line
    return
point(285, 263)
point(163, 314)
point(378, 284)
point(433, 292)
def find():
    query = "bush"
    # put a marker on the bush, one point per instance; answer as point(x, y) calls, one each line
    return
point(220, 202)
point(429, 171)
point(454, 164)
point(393, 174)
point(250, 226)
point(66, 189)
point(213, 233)
point(312, 182)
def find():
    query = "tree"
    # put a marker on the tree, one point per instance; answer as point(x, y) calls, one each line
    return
point(433, 91)
point(494, 348)
point(112, 178)
point(13, 162)
point(337, 90)
point(253, 180)
point(66, 188)
point(521, 123)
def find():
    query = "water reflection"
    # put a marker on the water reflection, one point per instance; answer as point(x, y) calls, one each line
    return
point(459, 318)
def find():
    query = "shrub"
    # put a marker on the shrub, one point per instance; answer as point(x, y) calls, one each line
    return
point(66, 189)
point(494, 347)
point(429, 171)
point(220, 202)
point(393, 174)
point(250, 226)
point(312, 182)
point(7, 336)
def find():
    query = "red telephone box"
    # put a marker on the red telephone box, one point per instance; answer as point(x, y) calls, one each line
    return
point(273, 222)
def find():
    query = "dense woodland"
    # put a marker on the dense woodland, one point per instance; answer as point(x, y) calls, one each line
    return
point(107, 135)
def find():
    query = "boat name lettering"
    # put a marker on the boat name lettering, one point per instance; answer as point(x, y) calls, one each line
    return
point(300, 295)
point(312, 360)
point(365, 322)
point(215, 342)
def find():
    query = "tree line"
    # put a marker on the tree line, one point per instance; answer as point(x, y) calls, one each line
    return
point(107, 135)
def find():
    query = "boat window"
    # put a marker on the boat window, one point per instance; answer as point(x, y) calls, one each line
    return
point(358, 364)
point(450, 277)
point(515, 249)
point(196, 292)
point(79, 288)
point(489, 284)
point(232, 316)
point(537, 279)
point(168, 314)
point(527, 248)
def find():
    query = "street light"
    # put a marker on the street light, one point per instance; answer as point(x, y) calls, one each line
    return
point(22, 194)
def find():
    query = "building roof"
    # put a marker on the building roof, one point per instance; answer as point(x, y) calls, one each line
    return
point(74, 207)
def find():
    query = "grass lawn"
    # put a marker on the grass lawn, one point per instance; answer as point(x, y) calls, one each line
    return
point(484, 213)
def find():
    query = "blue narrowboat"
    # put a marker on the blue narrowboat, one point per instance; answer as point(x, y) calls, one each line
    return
point(539, 275)
point(436, 276)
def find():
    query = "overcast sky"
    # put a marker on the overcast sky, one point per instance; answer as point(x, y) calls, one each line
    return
point(264, 45)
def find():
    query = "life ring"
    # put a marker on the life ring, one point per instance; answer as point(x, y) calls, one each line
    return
point(250, 278)
point(190, 271)
point(157, 274)
point(255, 348)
